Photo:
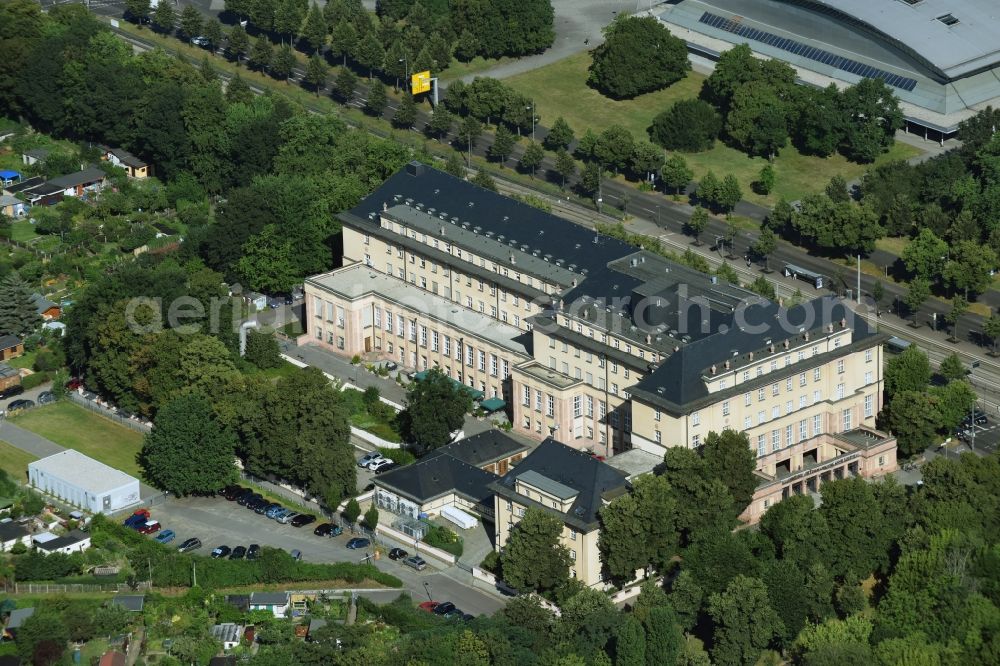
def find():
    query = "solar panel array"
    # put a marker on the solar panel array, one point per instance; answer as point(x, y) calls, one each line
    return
point(819, 55)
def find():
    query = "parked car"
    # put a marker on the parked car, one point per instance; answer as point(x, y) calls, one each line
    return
point(397, 554)
point(230, 493)
point(74, 383)
point(324, 529)
point(264, 508)
point(370, 458)
point(11, 391)
point(20, 404)
point(383, 466)
point(253, 552)
point(255, 501)
point(274, 510)
point(137, 519)
point(978, 417)
point(296, 554)
point(303, 519)
point(416, 562)
point(200, 41)
point(357, 543)
point(238, 553)
point(382, 462)
point(391, 365)
point(286, 517)
point(428, 606)
point(150, 527)
point(189, 545)
point(453, 614)
point(246, 497)
point(444, 608)
point(221, 551)
point(46, 397)
point(166, 536)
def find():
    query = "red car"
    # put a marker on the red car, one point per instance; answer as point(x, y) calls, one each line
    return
point(428, 606)
point(74, 383)
point(150, 527)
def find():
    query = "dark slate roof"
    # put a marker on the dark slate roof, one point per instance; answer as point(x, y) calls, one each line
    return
point(223, 660)
point(41, 303)
point(18, 616)
point(269, 598)
point(563, 468)
point(76, 536)
point(126, 157)
point(500, 215)
point(438, 475)
point(484, 448)
point(9, 341)
point(677, 383)
point(10, 531)
point(130, 602)
point(241, 601)
point(24, 185)
point(85, 177)
point(43, 190)
point(38, 153)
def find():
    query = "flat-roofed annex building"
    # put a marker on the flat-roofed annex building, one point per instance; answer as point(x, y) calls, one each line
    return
point(595, 343)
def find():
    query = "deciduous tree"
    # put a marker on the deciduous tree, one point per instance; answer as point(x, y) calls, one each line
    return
point(566, 168)
point(314, 30)
point(534, 558)
point(676, 174)
point(560, 135)
point(345, 84)
point(745, 622)
point(164, 17)
point(377, 100)
point(191, 22)
point(532, 158)
point(435, 407)
point(188, 451)
point(638, 55)
point(696, 223)
point(317, 72)
point(503, 143)
point(690, 125)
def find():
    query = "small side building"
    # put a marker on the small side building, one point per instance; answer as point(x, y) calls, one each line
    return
point(228, 633)
point(9, 377)
point(10, 347)
point(134, 167)
point(12, 534)
point(73, 542)
point(84, 482)
point(276, 602)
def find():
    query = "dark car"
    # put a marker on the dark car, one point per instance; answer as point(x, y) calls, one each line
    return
point(232, 492)
point(444, 608)
point(255, 501)
point(357, 543)
point(188, 545)
point(978, 417)
point(303, 519)
point(20, 404)
point(11, 391)
point(243, 498)
point(253, 552)
point(397, 554)
point(327, 529)
point(74, 383)
point(238, 553)
point(46, 397)
point(221, 551)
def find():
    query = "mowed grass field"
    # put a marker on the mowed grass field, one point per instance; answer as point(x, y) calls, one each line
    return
point(14, 461)
point(77, 428)
point(561, 89)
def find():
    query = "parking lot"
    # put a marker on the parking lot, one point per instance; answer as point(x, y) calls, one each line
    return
point(218, 522)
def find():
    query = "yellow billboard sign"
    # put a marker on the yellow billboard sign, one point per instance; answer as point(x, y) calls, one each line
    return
point(420, 82)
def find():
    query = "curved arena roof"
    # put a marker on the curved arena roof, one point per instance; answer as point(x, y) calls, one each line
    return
point(953, 38)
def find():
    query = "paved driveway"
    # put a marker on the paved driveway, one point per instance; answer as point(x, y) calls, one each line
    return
point(218, 522)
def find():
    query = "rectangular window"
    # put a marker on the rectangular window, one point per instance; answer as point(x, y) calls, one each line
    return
point(482, 361)
point(818, 425)
point(388, 322)
point(840, 391)
point(658, 437)
point(725, 408)
point(340, 317)
point(550, 405)
point(746, 399)
point(526, 396)
point(868, 356)
point(788, 435)
point(788, 384)
point(628, 421)
point(747, 422)
point(572, 535)
point(775, 440)
point(469, 355)
point(775, 411)
point(869, 406)
point(577, 406)
point(377, 317)
point(775, 389)
point(505, 368)
point(761, 417)
point(802, 379)
point(695, 419)
point(423, 336)
point(435, 339)
point(847, 419)
point(761, 394)
point(400, 325)
point(803, 430)
point(868, 378)
point(840, 366)
point(817, 396)
point(761, 445)
point(447, 346)
point(603, 409)
point(695, 441)
point(746, 375)
point(494, 365)
point(565, 368)
point(774, 364)
point(538, 401)
point(614, 389)
point(816, 374)
point(789, 407)
point(802, 401)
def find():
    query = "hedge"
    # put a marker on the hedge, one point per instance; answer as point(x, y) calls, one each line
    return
point(35, 380)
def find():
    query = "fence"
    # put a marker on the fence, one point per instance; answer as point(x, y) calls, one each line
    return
point(66, 588)
point(108, 414)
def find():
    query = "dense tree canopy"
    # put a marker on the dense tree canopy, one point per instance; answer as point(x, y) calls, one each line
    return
point(639, 55)
point(435, 407)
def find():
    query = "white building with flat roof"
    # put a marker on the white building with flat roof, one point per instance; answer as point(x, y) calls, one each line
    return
point(84, 482)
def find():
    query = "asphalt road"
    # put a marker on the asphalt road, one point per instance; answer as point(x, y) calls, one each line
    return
point(218, 522)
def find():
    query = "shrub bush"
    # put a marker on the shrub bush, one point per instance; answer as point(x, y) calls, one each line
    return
point(443, 538)
point(35, 380)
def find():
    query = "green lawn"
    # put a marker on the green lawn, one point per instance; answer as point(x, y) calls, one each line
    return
point(560, 89)
point(22, 231)
point(477, 65)
point(14, 461)
point(77, 428)
point(25, 360)
point(360, 418)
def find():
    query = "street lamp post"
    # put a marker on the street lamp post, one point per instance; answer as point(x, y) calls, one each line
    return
point(532, 107)
point(406, 71)
point(427, 589)
point(972, 414)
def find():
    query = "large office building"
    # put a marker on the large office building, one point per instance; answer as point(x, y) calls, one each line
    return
point(597, 344)
point(940, 57)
